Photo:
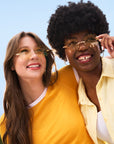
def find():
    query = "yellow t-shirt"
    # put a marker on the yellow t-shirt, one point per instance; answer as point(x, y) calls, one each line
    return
point(57, 119)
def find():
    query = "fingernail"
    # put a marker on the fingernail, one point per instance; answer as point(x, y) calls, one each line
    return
point(102, 47)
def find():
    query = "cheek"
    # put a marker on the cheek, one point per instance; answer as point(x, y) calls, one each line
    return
point(69, 54)
point(98, 50)
point(97, 47)
point(18, 64)
point(43, 62)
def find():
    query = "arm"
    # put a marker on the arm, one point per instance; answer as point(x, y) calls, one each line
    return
point(107, 42)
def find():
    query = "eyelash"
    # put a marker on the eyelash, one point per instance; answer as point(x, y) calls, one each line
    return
point(90, 37)
point(72, 42)
point(23, 50)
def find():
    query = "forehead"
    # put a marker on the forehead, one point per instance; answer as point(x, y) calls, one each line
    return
point(27, 41)
point(80, 36)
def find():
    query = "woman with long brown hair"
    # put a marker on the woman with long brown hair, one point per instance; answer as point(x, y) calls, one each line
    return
point(28, 61)
point(35, 111)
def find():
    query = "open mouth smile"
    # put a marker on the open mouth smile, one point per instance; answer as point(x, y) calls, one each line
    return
point(84, 58)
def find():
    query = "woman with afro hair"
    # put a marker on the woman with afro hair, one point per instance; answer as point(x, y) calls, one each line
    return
point(73, 32)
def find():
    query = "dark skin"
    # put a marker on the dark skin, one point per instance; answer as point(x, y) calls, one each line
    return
point(90, 85)
point(88, 64)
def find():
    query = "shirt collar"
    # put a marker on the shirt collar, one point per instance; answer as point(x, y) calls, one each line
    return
point(108, 67)
point(107, 71)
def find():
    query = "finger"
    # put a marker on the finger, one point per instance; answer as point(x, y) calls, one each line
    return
point(103, 43)
point(101, 39)
point(110, 43)
point(106, 40)
point(101, 36)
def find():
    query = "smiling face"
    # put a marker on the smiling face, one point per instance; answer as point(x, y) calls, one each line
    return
point(83, 51)
point(29, 61)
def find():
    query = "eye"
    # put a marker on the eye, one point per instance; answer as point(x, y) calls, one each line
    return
point(22, 51)
point(72, 43)
point(90, 38)
point(38, 50)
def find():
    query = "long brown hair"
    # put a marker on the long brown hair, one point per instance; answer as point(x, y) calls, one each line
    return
point(17, 118)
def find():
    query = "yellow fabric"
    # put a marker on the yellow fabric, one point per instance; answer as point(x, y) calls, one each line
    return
point(2, 126)
point(57, 119)
point(105, 93)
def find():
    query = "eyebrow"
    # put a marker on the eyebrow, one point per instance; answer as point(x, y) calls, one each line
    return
point(23, 47)
point(27, 47)
point(74, 37)
point(86, 35)
point(71, 38)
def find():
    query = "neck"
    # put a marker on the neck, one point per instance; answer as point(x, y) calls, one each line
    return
point(32, 90)
point(91, 78)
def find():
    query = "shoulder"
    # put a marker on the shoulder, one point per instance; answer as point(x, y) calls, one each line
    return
point(2, 125)
point(66, 76)
point(108, 62)
point(1, 119)
point(66, 72)
point(108, 66)
point(66, 68)
point(66, 83)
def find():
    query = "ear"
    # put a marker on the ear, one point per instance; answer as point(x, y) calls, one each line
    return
point(67, 58)
point(12, 68)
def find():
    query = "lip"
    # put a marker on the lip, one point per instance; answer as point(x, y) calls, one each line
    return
point(84, 57)
point(79, 54)
point(34, 66)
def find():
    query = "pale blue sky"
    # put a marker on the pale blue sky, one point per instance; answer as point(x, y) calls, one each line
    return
point(33, 15)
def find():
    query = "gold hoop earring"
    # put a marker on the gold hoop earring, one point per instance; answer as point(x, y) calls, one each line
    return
point(66, 62)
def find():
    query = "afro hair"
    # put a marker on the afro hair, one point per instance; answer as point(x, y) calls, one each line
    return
point(74, 18)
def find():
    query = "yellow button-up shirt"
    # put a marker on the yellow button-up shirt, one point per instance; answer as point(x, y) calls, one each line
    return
point(105, 93)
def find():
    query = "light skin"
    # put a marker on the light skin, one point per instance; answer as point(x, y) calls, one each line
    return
point(87, 62)
point(30, 67)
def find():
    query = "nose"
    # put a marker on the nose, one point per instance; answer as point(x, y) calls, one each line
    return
point(82, 46)
point(33, 55)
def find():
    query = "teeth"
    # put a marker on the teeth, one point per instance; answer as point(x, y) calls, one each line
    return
point(33, 66)
point(84, 57)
